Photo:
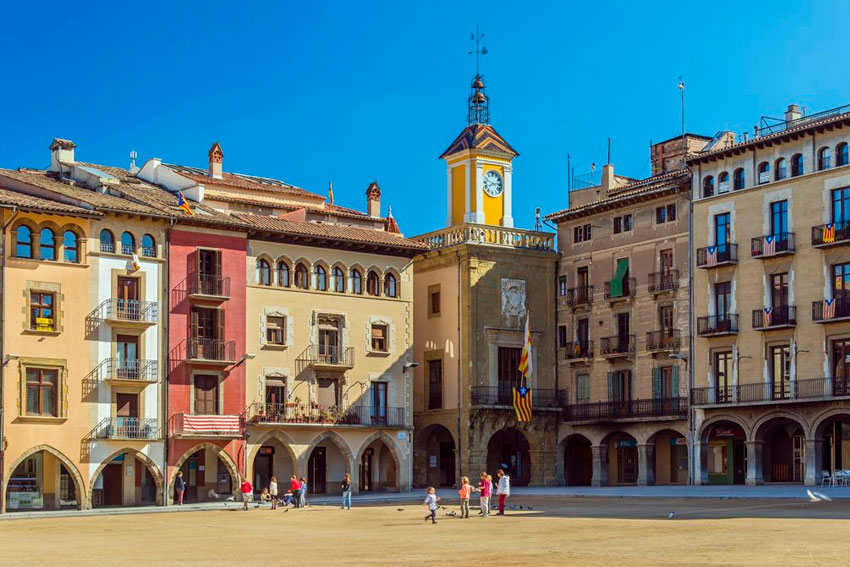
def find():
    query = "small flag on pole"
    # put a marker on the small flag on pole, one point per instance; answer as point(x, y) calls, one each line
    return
point(829, 232)
point(829, 308)
point(711, 256)
point(184, 204)
point(331, 192)
point(769, 245)
point(768, 316)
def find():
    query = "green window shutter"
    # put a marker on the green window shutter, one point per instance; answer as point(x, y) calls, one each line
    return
point(619, 276)
point(611, 386)
point(675, 381)
point(656, 382)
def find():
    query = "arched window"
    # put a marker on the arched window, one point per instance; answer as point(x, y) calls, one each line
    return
point(390, 289)
point(779, 171)
point(282, 274)
point(23, 236)
point(373, 284)
point(764, 172)
point(708, 186)
point(356, 281)
point(739, 179)
point(47, 244)
point(302, 277)
point(71, 249)
point(148, 246)
point(264, 272)
point(107, 241)
point(338, 279)
point(128, 243)
point(321, 278)
point(824, 156)
point(842, 156)
point(723, 182)
point(797, 165)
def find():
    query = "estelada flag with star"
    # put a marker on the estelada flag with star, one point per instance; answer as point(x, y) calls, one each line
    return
point(522, 395)
point(184, 204)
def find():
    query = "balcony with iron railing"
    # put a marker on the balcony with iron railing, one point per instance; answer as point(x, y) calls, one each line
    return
point(330, 357)
point(125, 312)
point(617, 345)
point(217, 426)
point(674, 408)
point(717, 325)
point(716, 256)
point(628, 289)
point(667, 280)
point(298, 414)
point(815, 389)
point(831, 234)
point(128, 428)
point(577, 296)
point(128, 372)
point(578, 350)
point(773, 245)
point(664, 340)
point(776, 317)
point(208, 286)
point(211, 351)
point(485, 235)
point(831, 310)
point(541, 398)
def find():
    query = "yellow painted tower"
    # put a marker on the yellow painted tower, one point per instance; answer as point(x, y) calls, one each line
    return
point(479, 169)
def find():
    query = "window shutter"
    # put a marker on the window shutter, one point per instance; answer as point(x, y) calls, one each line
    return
point(220, 335)
point(217, 267)
point(656, 382)
point(676, 381)
point(611, 386)
point(194, 322)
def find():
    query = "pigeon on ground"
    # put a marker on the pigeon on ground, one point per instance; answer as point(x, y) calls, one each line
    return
point(817, 496)
point(530, 508)
point(671, 515)
point(520, 506)
point(285, 510)
point(399, 509)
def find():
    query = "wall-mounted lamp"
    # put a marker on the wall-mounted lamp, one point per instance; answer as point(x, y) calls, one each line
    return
point(9, 357)
point(409, 365)
point(246, 356)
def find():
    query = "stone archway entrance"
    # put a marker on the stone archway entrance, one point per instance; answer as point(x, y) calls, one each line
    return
point(669, 458)
point(44, 479)
point(378, 467)
point(723, 454)
point(272, 459)
point(127, 478)
point(578, 461)
point(208, 472)
point(783, 451)
point(509, 449)
point(832, 447)
point(622, 458)
point(435, 457)
point(327, 462)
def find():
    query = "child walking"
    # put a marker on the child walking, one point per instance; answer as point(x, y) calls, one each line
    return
point(431, 500)
point(273, 492)
point(465, 492)
point(485, 488)
point(246, 490)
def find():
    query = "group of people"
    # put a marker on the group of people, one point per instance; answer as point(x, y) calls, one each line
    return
point(485, 489)
point(296, 496)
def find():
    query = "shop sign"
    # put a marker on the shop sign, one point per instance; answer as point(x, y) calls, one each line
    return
point(432, 461)
point(43, 324)
point(626, 443)
point(678, 441)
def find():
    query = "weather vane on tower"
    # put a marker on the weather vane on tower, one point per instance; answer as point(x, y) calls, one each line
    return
point(479, 102)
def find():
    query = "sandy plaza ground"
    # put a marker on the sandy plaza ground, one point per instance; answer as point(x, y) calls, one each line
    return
point(556, 530)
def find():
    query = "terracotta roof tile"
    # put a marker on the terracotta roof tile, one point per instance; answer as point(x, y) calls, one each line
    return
point(30, 203)
point(242, 181)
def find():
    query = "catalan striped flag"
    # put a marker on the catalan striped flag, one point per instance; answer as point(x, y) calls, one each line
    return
point(522, 395)
point(829, 232)
point(184, 204)
point(525, 357)
point(769, 245)
point(768, 316)
point(711, 256)
point(522, 403)
point(829, 308)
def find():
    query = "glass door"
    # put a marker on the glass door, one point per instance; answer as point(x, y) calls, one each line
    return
point(841, 367)
point(128, 357)
point(780, 372)
point(379, 402)
point(128, 298)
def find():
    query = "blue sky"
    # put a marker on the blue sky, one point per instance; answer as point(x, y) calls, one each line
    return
point(313, 91)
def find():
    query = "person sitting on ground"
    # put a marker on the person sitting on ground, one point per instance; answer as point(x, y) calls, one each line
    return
point(265, 496)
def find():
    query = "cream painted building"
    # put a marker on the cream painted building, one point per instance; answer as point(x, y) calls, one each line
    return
point(772, 303)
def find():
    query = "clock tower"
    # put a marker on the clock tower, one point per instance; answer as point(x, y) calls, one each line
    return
point(479, 168)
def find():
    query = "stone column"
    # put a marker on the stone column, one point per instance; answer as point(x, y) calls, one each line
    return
point(646, 461)
point(600, 465)
point(700, 454)
point(754, 471)
point(507, 203)
point(814, 458)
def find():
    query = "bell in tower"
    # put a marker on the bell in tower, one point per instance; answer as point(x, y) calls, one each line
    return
point(479, 103)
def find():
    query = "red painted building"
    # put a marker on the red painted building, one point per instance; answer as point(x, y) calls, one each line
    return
point(206, 376)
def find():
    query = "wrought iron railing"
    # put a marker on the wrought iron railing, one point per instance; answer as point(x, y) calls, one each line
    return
point(665, 339)
point(300, 413)
point(772, 245)
point(831, 233)
point(501, 396)
point(212, 349)
point(131, 310)
point(107, 247)
point(578, 349)
point(580, 295)
point(717, 324)
point(777, 316)
point(207, 284)
point(815, 388)
point(628, 289)
point(617, 345)
point(127, 428)
point(469, 233)
point(663, 281)
point(826, 310)
point(128, 369)
point(721, 254)
point(768, 127)
point(603, 411)
point(328, 355)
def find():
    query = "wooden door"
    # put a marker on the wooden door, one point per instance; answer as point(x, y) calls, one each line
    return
point(627, 460)
point(128, 356)
point(113, 485)
point(366, 471)
point(128, 298)
point(206, 395)
point(317, 466)
point(328, 392)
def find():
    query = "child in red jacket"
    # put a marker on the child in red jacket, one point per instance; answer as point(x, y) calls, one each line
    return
point(246, 490)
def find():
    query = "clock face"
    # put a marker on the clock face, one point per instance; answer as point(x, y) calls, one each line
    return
point(493, 183)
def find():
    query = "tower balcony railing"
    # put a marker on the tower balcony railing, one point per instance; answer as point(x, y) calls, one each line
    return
point(773, 245)
point(831, 234)
point(667, 280)
point(830, 310)
point(578, 350)
point(503, 397)
point(716, 325)
point(212, 350)
point(504, 237)
point(776, 317)
point(720, 255)
point(208, 285)
point(617, 345)
point(628, 289)
point(582, 295)
point(665, 339)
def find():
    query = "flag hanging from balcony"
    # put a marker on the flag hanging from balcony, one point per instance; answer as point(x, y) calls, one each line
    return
point(136, 265)
point(769, 245)
point(220, 424)
point(522, 403)
point(525, 357)
point(711, 256)
point(829, 232)
point(184, 204)
point(522, 394)
point(829, 308)
point(768, 316)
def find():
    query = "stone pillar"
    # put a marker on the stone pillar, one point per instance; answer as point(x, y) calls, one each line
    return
point(700, 456)
point(754, 470)
point(814, 458)
point(646, 462)
point(600, 465)
point(560, 467)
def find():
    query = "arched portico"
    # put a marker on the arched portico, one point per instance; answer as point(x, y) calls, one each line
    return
point(136, 487)
point(43, 478)
point(202, 485)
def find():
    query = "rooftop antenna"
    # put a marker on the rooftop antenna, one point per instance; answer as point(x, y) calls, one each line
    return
point(537, 225)
point(681, 87)
point(609, 152)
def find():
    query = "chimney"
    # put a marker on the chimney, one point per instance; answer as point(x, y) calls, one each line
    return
point(793, 113)
point(373, 200)
point(608, 177)
point(61, 151)
point(216, 156)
